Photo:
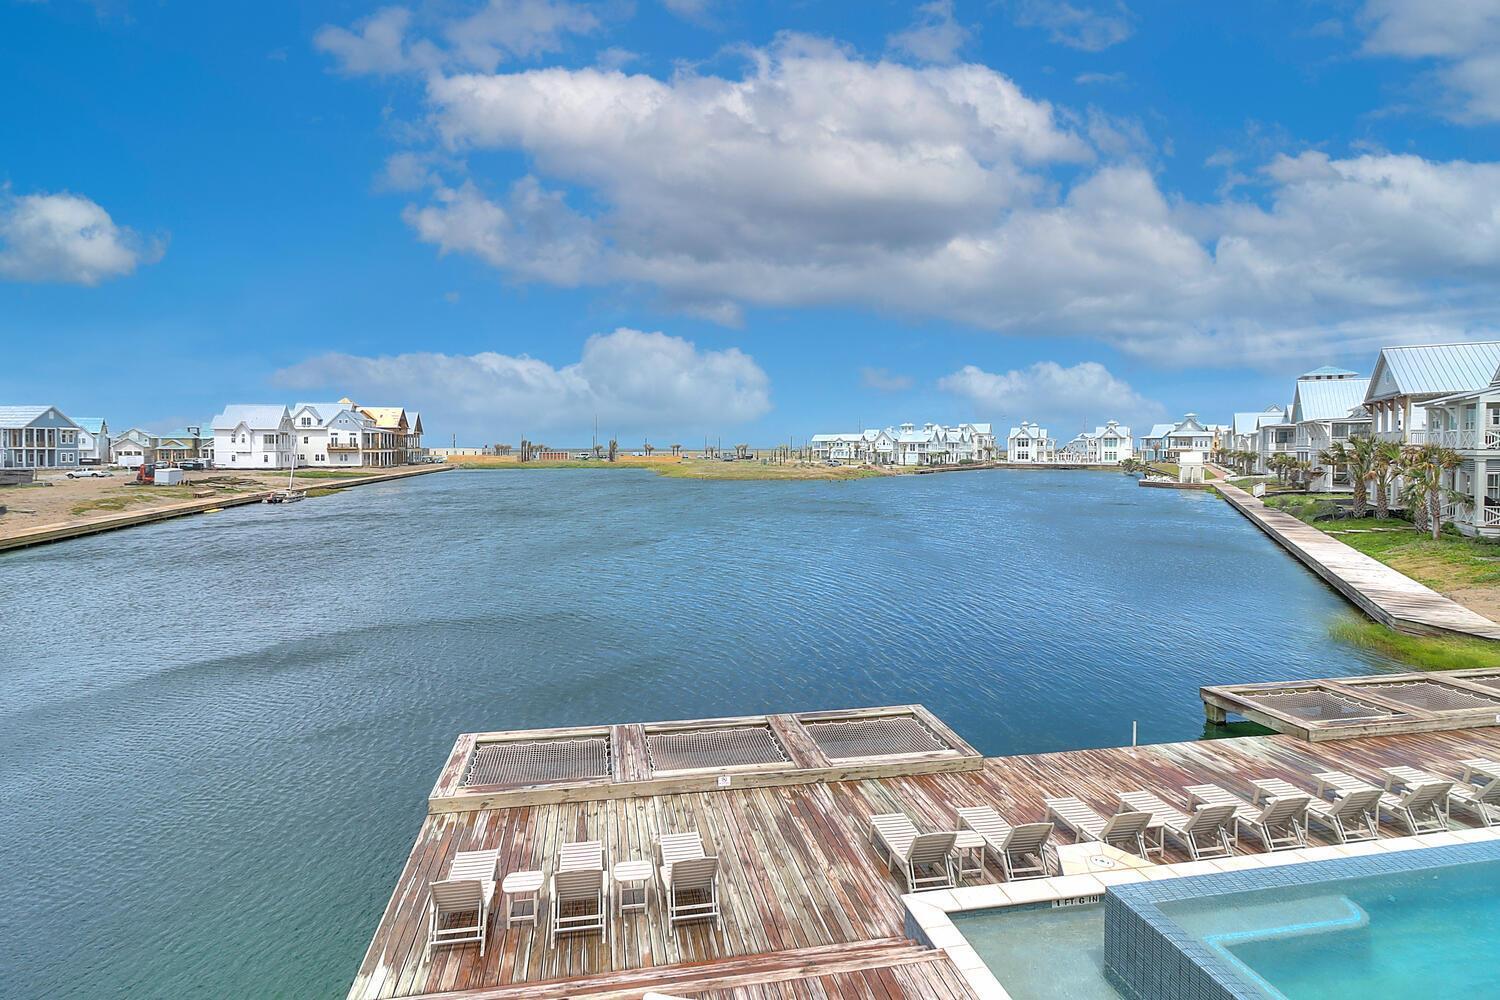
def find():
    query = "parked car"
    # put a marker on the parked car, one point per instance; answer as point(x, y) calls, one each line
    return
point(88, 474)
point(193, 464)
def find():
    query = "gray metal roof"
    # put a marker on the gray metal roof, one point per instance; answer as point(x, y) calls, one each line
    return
point(20, 416)
point(1327, 399)
point(258, 416)
point(1328, 371)
point(1424, 369)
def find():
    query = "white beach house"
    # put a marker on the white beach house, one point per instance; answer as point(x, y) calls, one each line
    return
point(253, 436)
point(93, 440)
point(1107, 445)
point(1407, 378)
point(1244, 434)
point(908, 445)
point(1030, 444)
point(1153, 444)
point(1328, 408)
point(1469, 423)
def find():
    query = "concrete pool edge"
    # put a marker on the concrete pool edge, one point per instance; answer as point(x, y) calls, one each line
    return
point(929, 914)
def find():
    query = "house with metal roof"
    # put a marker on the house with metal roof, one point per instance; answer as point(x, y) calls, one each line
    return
point(1328, 408)
point(1152, 446)
point(93, 440)
point(132, 448)
point(253, 436)
point(1030, 444)
point(909, 445)
point(1191, 434)
point(1406, 378)
point(1107, 445)
point(37, 437)
point(1469, 424)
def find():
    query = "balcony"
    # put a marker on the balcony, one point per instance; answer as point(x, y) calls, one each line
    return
point(343, 446)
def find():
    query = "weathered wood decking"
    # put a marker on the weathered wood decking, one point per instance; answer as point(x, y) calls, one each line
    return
point(809, 910)
point(1387, 596)
point(1340, 708)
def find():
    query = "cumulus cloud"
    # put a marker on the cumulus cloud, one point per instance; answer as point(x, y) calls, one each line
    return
point(884, 381)
point(636, 382)
point(935, 36)
point(1091, 28)
point(1463, 38)
point(386, 42)
point(66, 238)
point(1068, 397)
point(816, 177)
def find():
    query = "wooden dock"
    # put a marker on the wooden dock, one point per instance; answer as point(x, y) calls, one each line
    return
point(809, 910)
point(1341, 708)
point(1387, 596)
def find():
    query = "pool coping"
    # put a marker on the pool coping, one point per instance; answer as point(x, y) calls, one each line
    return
point(929, 920)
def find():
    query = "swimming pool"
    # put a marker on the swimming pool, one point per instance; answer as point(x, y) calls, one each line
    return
point(1368, 927)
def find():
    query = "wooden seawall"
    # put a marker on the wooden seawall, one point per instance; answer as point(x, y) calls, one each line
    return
point(1387, 596)
point(92, 526)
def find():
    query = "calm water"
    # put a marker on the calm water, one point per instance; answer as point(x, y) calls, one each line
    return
point(217, 734)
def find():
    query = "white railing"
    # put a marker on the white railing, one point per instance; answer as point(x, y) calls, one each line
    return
point(1489, 517)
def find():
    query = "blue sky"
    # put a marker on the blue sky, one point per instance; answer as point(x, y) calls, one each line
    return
point(724, 218)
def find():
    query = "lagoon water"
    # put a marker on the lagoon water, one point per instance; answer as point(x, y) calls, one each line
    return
point(217, 734)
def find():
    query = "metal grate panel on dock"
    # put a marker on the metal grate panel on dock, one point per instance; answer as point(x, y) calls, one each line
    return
point(1434, 697)
point(881, 736)
point(1318, 705)
point(691, 749)
point(538, 762)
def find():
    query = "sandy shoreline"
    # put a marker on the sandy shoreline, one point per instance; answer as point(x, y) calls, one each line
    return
point(57, 508)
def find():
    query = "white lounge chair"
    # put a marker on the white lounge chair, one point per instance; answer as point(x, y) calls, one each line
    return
point(579, 901)
point(926, 859)
point(1353, 815)
point(1125, 830)
point(1023, 851)
point(454, 898)
point(1205, 834)
point(689, 878)
point(1482, 798)
point(1421, 808)
point(1280, 823)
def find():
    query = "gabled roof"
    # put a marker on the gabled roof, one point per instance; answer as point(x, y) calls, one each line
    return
point(1425, 369)
point(256, 416)
point(1327, 399)
point(24, 416)
point(94, 425)
point(1160, 430)
point(320, 412)
point(385, 417)
point(414, 421)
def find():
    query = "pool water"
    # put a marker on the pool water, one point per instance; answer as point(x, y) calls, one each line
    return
point(1393, 935)
point(1042, 953)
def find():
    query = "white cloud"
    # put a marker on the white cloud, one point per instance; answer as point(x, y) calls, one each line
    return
point(66, 238)
point(816, 178)
point(385, 42)
point(935, 36)
point(1089, 27)
point(1084, 394)
point(1463, 38)
point(699, 12)
point(884, 381)
point(635, 382)
point(377, 45)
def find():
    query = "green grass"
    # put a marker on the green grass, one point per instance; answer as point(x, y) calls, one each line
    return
point(1427, 653)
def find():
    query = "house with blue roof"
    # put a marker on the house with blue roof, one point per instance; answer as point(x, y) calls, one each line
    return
point(1406, 379)
point(1328, 408)
point(93, 440)
point(37, 437)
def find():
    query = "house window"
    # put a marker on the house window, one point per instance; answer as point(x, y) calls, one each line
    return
point(1492, 487)
point(307, 421)
point(304, 439)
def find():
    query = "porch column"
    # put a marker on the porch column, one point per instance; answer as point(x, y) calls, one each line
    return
point(1479, 490)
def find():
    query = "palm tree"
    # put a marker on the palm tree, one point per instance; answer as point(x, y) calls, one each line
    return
point(1356, 457)
point(1422, 469)
point(1385, 461)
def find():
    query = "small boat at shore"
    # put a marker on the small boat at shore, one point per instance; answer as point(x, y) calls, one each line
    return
point(286, 496)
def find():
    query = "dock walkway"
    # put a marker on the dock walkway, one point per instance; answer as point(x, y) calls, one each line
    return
point(810, 911)
point(1387, 596)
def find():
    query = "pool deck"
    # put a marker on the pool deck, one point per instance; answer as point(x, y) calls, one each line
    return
point(1387, 596)
point(809, 910)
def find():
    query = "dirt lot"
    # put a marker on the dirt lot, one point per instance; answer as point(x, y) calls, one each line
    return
point(55, 499)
